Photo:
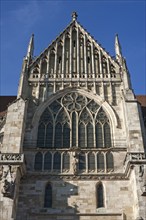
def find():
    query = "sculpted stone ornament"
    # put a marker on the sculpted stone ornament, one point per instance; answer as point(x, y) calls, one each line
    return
point(8, 181)
point(74, 164)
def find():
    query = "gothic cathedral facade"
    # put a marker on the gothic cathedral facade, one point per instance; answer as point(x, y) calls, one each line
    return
point(73, 140)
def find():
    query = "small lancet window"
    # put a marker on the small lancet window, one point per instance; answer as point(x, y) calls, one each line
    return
point(99, 195)
point(88, 59)
point(48, 196)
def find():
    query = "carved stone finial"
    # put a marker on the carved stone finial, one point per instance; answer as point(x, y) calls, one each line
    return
point(74, 16)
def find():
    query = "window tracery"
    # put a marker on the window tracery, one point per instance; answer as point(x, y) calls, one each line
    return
point(72, 121)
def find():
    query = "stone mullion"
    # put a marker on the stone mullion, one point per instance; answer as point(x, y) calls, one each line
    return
point(70, 54)
point(103, 135)
point(77, 130)
point(85, 135)
point(78, 65)
point(63, 57)
point(93, 66)
point(108, 67)
point(111, 93)
point(86, 162)
point(55, 63)
point(100, 62)
point(48, 62)
point(85, 56)
point(105, 163)
point(61, 162)
point(102, 87)
point(92, 54)
point(94, 133)
point(38, 87)
point(96, 162)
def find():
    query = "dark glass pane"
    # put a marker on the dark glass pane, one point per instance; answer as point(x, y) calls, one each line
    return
point(100, 197)
point(90, 141)
point(101, 116)
point(66, 136)
point(82, 162)
point(99, 136)
point(55, 106)
point(41, 135)
point(38, 161)
point(100, 161)
point(81, 135)
point(57, 161)
point(46, 116)
point(58, 136)
point(49, 135)
point(91, 161)
point(66, 161)
point(73, 129)
point(107, 135)
point(48, 161)
point(109, 161)
point(48, 196)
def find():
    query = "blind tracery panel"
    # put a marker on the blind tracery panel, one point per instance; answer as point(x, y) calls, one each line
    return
point(74, 121)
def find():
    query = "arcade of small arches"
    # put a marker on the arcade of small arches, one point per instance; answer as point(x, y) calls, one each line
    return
point(60, 162)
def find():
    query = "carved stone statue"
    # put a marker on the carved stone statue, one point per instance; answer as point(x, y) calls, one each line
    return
point(8, 183)
point(74, 163)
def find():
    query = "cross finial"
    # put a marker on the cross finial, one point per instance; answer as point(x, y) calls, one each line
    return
point(74, 16)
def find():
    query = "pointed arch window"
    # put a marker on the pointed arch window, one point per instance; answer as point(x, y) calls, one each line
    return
point(100, 162)
point(102, 130)
point(66, 161)
point(45, 130)
point(57, 162)
point(91, 162)
point(48, 161)
point(82, 162)
point(74, 121)
point(107, 135)
point(38, 161)
point(48, 196)
point(109, 161)
point(99, 195)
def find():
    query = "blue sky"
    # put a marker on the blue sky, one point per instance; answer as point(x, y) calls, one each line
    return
point(46, 19)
